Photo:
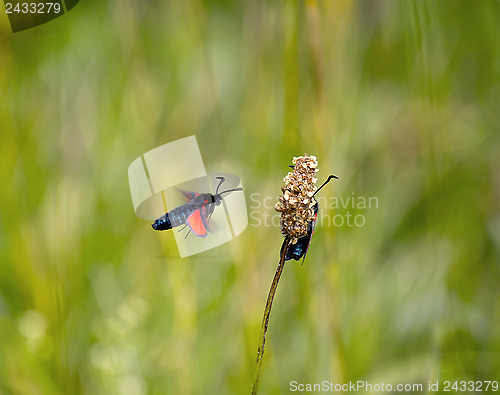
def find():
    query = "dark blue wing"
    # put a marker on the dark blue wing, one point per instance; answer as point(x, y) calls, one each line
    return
point(309, 238)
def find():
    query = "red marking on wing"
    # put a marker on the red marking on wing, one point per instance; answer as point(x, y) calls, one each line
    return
point(189, 195)
point(197, 221)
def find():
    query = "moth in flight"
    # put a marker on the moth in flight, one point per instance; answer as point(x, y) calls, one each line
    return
point(195, 213)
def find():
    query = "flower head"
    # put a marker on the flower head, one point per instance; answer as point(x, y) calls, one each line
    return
point(297, 202)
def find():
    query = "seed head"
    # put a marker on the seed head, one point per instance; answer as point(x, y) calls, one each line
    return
point(297, 203)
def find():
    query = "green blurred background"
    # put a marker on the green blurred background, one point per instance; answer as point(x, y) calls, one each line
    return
point(400, 99)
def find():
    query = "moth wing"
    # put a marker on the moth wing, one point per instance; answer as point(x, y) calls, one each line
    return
point(207, 212)
point(313, 225)
point(188, 195)
point(197, 222)
point(309, 236)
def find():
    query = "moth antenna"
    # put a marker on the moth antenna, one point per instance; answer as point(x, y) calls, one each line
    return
point(222, 179)
point(232, 190)
point(326, 182)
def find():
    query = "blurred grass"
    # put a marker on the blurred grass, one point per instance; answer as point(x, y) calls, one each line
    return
point(399, 99)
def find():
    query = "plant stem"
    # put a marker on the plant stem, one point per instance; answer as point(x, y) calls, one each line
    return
point(267, 312)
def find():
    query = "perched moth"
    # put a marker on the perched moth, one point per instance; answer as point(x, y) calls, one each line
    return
point(299, 249)
point(298, 207)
